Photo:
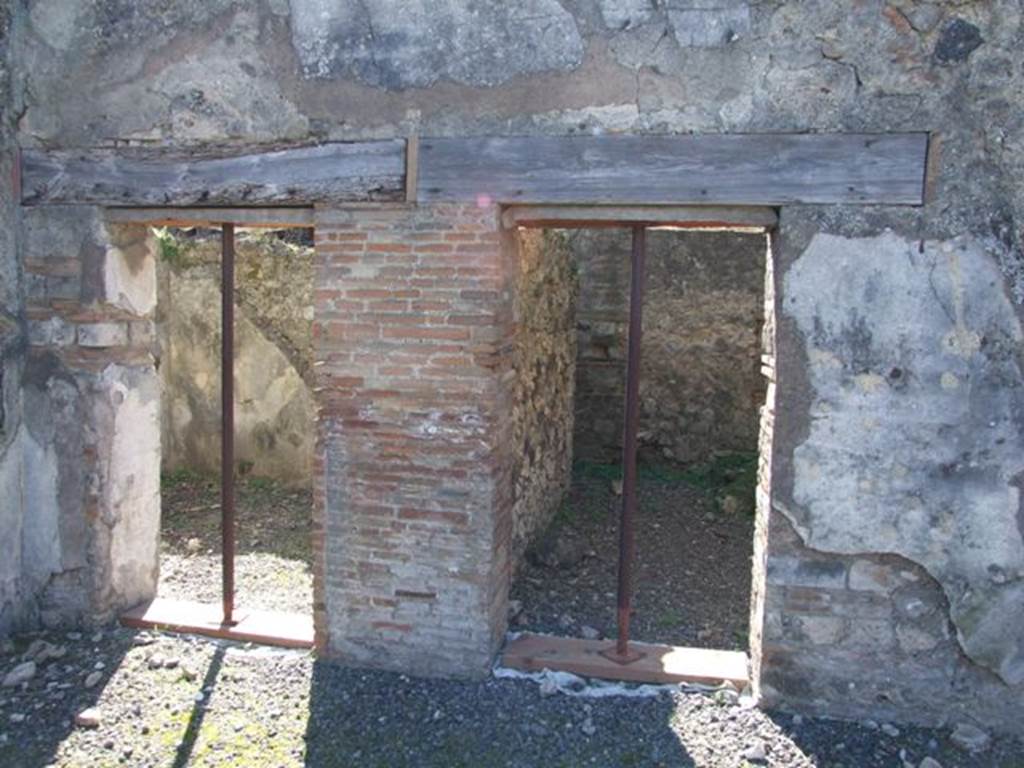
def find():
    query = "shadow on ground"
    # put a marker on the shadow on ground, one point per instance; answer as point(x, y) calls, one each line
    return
point(382, 719)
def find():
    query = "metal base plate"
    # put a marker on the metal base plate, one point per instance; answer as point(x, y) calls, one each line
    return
point(631, 655)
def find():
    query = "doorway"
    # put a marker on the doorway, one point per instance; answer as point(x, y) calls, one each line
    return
point(235, 548)
point(699, 398)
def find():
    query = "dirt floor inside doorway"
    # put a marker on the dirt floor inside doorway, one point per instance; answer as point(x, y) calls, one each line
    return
point(694, 540)
point(273, 565)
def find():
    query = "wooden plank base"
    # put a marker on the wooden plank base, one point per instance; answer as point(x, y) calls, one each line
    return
point(659, 663)
point(291, 630)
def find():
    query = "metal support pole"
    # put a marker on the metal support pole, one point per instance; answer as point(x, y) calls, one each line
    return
point(621, 652)
point(227, 429)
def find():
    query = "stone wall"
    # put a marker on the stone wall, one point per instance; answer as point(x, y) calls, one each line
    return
point(274, 410)
point(15, 598)
point(700, 383)
point(91, 441)
point(544, 358)
point(413, 493)
point(926, 462)
point(900, 554)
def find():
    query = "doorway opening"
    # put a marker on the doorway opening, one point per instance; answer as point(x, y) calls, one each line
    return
point(235, 551)
point(701, 395)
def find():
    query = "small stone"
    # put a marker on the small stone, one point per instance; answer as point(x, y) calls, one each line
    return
point(970, 737)
point(171, 663)
point(957, 41)
point(99, 665)
point(929, 762)
point(729, 505)
point(33, 649)
point(187, 673)
point(97, 637)
point(20, 674)
point(93, 678)
point(143, 640)
point(88, 718)
point(890, 730)
point(588, 727)
point(193, 545)
point(617, 487)
point(548, 687)
point(515, 607)
point(156, 661)
point(755, 753)
point(565, 621)
point(589, 633)
point(17, 717)
point(73, 636)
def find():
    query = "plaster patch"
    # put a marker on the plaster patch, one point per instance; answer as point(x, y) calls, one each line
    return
point(901, 461)
point(415, 43)
point(131, 501)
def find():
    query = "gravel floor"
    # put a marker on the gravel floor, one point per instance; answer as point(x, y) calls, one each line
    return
point(174, 701)
point(273, 562)
point(692, 565)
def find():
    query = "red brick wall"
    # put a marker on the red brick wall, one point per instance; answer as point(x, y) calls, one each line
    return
point(412, 331)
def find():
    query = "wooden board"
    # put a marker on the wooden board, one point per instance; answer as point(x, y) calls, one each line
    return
point(212, 217)
point(689, 217)
point(659, 664)
point(762, 169)
point(291, 630)
point(325, 173)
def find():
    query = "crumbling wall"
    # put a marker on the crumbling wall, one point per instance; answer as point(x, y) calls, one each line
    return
point(186, 73)
point(274, 411)
point(700, 383)
point(13, 599)
point(91, 441)
point(895, 546)
point(544, 359)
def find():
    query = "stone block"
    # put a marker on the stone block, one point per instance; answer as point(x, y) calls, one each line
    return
point(102, 334)
point(52, 332)
point(709, 23)
point(797, 572)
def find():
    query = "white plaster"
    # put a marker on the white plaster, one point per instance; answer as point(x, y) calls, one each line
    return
point(131, 502)
point(914, 466)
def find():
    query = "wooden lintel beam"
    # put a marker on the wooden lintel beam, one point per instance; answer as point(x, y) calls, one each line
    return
point(324, 173)
point(272, 218)
point(737, 169)
point(689, 217)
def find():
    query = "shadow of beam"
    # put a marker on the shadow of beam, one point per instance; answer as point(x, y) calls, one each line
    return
point(195, 721)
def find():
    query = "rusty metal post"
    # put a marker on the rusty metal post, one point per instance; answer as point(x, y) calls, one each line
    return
point(227, 429)
point(621, 652)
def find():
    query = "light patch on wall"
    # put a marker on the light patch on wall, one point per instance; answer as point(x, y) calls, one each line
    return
point(415, 43)
point(917, 451)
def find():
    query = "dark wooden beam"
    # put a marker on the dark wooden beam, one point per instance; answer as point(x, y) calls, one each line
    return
point(682, 216)
point(265, 217)
point(325, 173)
point(761, 169)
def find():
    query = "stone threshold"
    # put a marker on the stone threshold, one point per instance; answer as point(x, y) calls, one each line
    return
point(658, 664)
point(290, 630)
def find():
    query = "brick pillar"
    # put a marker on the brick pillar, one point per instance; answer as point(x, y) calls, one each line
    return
point(413, 328)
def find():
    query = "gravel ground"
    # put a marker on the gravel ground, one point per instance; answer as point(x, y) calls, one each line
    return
point(692, 565)
point(273, 562)
point(174, 701)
